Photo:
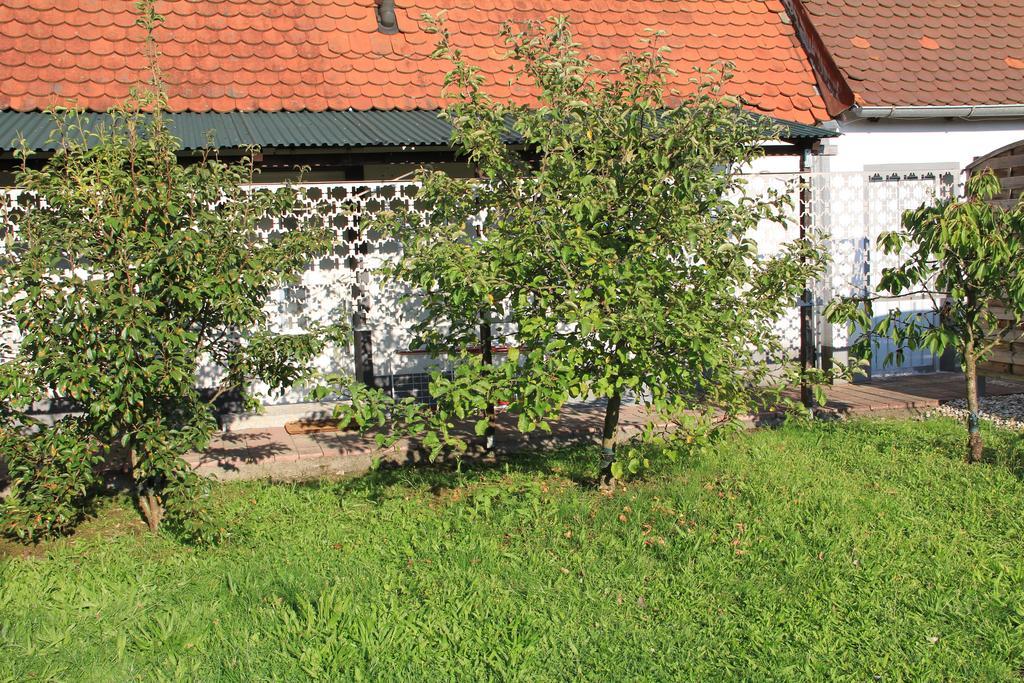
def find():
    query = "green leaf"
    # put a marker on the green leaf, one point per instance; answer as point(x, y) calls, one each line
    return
point(617, 471)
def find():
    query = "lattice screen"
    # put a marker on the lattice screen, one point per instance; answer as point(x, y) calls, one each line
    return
point(851, 208)
point(342, 282)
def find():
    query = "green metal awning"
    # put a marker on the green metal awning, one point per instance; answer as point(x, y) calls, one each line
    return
point(800, 131)
point(340, 129)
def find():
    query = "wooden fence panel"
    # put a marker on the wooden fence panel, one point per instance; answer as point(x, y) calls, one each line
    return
point(1008, 356)
point(1008, 165)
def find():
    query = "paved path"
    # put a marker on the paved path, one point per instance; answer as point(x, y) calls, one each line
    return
point(259, 453)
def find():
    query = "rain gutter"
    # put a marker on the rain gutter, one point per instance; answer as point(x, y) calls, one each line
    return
point(981, 111)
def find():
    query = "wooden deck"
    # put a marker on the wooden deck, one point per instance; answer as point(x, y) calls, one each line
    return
point(910, 393)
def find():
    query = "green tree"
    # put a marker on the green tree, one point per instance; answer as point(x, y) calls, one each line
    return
point(124, 272)
point(964, 254)
point(611, 238)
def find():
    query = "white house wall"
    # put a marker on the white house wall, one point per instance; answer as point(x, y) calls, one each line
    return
point(889, 149)
point(776, 164)
point(864, 144)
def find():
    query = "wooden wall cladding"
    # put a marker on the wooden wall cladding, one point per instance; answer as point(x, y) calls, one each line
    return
point(1008, 164)
point(1008, 357)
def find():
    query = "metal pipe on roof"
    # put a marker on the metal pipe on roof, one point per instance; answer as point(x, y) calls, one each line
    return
point(980, 111)
point(387, 22)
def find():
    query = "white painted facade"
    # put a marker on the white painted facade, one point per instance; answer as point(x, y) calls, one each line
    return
point(899, 154)
point(865, 144)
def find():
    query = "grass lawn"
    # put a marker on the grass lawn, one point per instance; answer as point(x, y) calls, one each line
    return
point(861, 551)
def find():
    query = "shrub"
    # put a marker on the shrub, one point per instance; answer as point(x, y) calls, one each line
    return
point(124, 273)
point(51, 473)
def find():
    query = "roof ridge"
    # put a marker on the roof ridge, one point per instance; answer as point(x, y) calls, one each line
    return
point(832, 84)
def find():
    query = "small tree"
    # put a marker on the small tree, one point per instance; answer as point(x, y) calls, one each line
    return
point(965, 254)
point(125, 271)
point(613, 238)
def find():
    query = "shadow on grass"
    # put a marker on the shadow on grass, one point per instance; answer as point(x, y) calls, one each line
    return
point(103, 513)
point(1004, 449)
point(575, 463)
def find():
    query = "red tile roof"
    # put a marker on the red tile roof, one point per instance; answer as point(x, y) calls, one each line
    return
point(925, 52)
point(316, 55)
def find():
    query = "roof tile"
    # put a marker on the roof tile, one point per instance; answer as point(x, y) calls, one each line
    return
point(925, 52)
point(245, 55)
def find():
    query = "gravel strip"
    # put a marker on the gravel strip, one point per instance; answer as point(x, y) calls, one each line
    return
point(1005, 411)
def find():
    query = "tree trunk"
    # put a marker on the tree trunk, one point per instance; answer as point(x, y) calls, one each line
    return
point(149, 502)
point(807, 352)
point(486, 342)
point(608, 437)
point(974, 445)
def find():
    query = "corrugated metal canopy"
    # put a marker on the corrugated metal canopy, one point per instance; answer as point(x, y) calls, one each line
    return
point(342, 129)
